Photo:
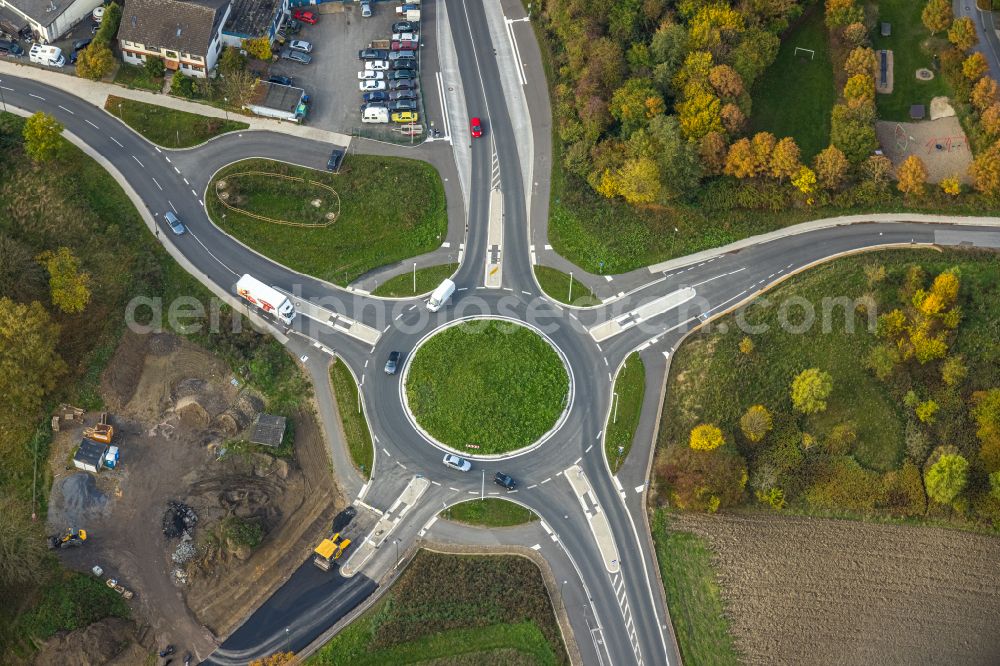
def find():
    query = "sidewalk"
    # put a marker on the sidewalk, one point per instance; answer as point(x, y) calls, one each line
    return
point(96, 93)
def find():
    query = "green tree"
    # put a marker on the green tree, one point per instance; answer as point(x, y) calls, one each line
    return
point(29, 365)
point(840, 13)
point(853, 132)
point(668, 49)
point(947, 477)
point(67, 283)
point(154, 67)
point(634, 103)
point(258, 47)
point(954, 370)
point(962, 33)
point(42, 140)
point(756, 422)
point(677, 158)
point(95, 62)
point(810, 389)
point(927, 411)
point(937, 16)
point(109, 24)
point(706, 437)
point(995, 485)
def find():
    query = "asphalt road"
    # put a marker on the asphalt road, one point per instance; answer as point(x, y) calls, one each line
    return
point(622, 612)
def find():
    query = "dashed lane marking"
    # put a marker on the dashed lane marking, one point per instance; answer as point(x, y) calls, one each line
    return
point(386, 451)
point(546, 480)
point(589, 448)
point(91, 124)
point(138, 162)
point(36, 96)
point(119, 145)
point(534, 485)
point(66, 110)
point(158, 184)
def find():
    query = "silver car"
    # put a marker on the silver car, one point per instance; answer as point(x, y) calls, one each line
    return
point(453, 461)
point(402, 55)
point(300, 45)
point(297, 56)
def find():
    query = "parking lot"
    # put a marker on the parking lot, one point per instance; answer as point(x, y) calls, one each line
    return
point(331, 79)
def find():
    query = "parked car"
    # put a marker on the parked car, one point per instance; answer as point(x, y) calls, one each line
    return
point(296, 56)
point(374, 105)
point(366, 9)
point(305, 17)
point(403, 105)
point(403, 45)
point(404, 26)
point(174, 223)
point(333, 164)
point(402, 85)
point(402, 94)
point(405, 64)
point(377, 65)
point(378, 96)
point(373, 54)
point(402, 55)
point(10, 49)
point(401, 75)
point(300, 45)
point(392, 364)
point(367, 86)
point(405, 36)
point(405, 117)
point(369, 75)
point(504, 480)
point(73, 57)
point(81, 44)
point(281, 80)
point(453, 461)
point(477, 127)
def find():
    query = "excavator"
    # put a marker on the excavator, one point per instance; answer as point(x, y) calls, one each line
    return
point(68, 539)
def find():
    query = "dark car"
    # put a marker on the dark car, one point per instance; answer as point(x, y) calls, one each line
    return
point(333, 164)
point(402, 85)
point(376, 96)
point(402, 94)
point(81, 44)
point(402, 55)
point(502, 479)
point(405, 64)
point(392, 365)
point(404, 26)
point(281, 80)
point(402, 75)
point(11, 49)
point(403, 105)
point(373, 54)
point(73, 57)
point(292, 26)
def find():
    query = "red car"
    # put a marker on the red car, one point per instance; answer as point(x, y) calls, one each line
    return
point(304, 16)
point(477, 128)
point(404, 45)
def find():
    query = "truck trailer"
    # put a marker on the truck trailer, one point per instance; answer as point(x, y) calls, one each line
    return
point(266, 298)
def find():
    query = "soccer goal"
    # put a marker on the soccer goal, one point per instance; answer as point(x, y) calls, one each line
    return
point(812, 53)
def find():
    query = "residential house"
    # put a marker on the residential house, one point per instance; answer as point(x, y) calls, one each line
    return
point(48, 20)
point(185, 34)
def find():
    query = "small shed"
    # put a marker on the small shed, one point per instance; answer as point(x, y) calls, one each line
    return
point(268, 430)
point(917, 112)
point(90, 456)
point(886, 28)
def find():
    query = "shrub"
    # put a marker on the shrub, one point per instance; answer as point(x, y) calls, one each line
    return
point(72, 601)
point(243, 532)
point(706, 437)
point(840, 483)
point(904, 492)
point(841, 439)
point(182, 86)
point(154, 67)
point(704, 480)
point(917, 443)
point(946, 475)
point(774, 497)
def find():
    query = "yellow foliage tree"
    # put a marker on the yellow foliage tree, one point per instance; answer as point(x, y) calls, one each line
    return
point(785, 159)
point(975, 66)
point(756, 422)
point(937, 15)
point(258, 47)
point(805, 182)
point(276, 659)
point(984, 94)
point(726, 81)
point(946, 287)
point(700, 114)
point(985, 171)
point(860, 90)
point(990, 120)
point(67, 284)
point(739, 160)
point(712, 153)
point(951, 186)
point(912, 176)
point(637, 181)
point(962, 33)
point(712, 25)
point(706, 437)
point(761, 146)
point(861, 62)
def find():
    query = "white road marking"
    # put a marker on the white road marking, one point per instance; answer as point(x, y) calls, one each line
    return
point(158, 184)
point(171, 205)
point(534, 485)
point(738, 270)
point(186, 182)
point(91, 124)
point(168, 160)
point(210, 253)
point(116, 141)
point(138, 162)
point(36, 96)
point(546, 480)
point(194, 193)
point(589, 448)
point(386, 451)
point(436, 483)
point(537, 546)
point(66, 110)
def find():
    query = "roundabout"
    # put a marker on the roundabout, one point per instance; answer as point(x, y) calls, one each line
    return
point(486, 387)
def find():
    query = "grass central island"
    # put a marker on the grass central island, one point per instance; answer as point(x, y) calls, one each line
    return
point(489, 384)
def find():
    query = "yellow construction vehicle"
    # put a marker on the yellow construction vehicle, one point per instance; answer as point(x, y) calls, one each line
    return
point(100, 432)
point(329, 550)
point(71, 537)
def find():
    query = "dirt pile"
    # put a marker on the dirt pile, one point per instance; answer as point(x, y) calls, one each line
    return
point(111, 641)
point(817, 591)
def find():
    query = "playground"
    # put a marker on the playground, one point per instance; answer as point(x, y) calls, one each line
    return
point(940, 143)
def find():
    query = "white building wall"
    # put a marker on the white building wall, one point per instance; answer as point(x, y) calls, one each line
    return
point(73, 15)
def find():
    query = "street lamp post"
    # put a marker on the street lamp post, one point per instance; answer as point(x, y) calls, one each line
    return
point(225, 107)
point(2, 100)
point(570, 296)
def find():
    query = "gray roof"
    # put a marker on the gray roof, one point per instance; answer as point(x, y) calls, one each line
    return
point(277, 96)
point(182, 25)
point(268, 430)
point(45, 11)
point(251, 18)
point(90, 452)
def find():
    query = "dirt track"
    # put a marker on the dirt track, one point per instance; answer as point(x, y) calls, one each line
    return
point(816, 591)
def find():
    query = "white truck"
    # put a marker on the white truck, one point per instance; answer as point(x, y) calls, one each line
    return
point(409, 12)
point(44, 54)
point(266, 298)
point(441, 295)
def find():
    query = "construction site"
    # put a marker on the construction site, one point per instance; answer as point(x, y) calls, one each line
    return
point(165, 498)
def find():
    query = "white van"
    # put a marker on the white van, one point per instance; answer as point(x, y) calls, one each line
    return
point(441, 295)
point(375, 114)
point(50, 56)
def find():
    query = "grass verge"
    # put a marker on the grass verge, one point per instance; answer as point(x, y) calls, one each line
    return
point(796, 93)
point(359, 439)
point(503, 389)
point(428, 279)
point(489, 512)
point(912, 48)
point(693, 596)
point(630, 386)
point(376, 225)
point(133, 76)
point(459, 609)
point(556, 284)
point(167, 127)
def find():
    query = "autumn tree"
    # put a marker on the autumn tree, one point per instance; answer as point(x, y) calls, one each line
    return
point(912, 176)
point(42, 140)
point(937, 16)
point(990, 120)
point(634, 103)
point(810, 389)
point(984, 94)
point(756, 422)
point(985, 171)
point(712, 153)
point(860, 90)
point(951, 186)
point(785, 159)
point(231, 61)
point(637, 181)
point(954, 370)
point(840, 13)
point(705, 437)
point(715, 27)
point(276, 659)
point(95, 62)
point(733, 119)
point(856, 34)
point(986, 412)
point(805, 182)
point(703, 481)
point(238, 86)
point(746, 346)
point(927, 411)
point(726, 81)
point(67, 283)
point(761, 147)
point(861, 61)
point(831, 168)
point(962, 33)
point(29, 365)
point(739, 160)
point(700, 114)
point(946, 477)
point(975, 66)
point(877, 168)
point(258, 47)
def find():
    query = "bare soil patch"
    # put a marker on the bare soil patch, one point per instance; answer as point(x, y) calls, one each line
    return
point(818, 591)
point(941, 144)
